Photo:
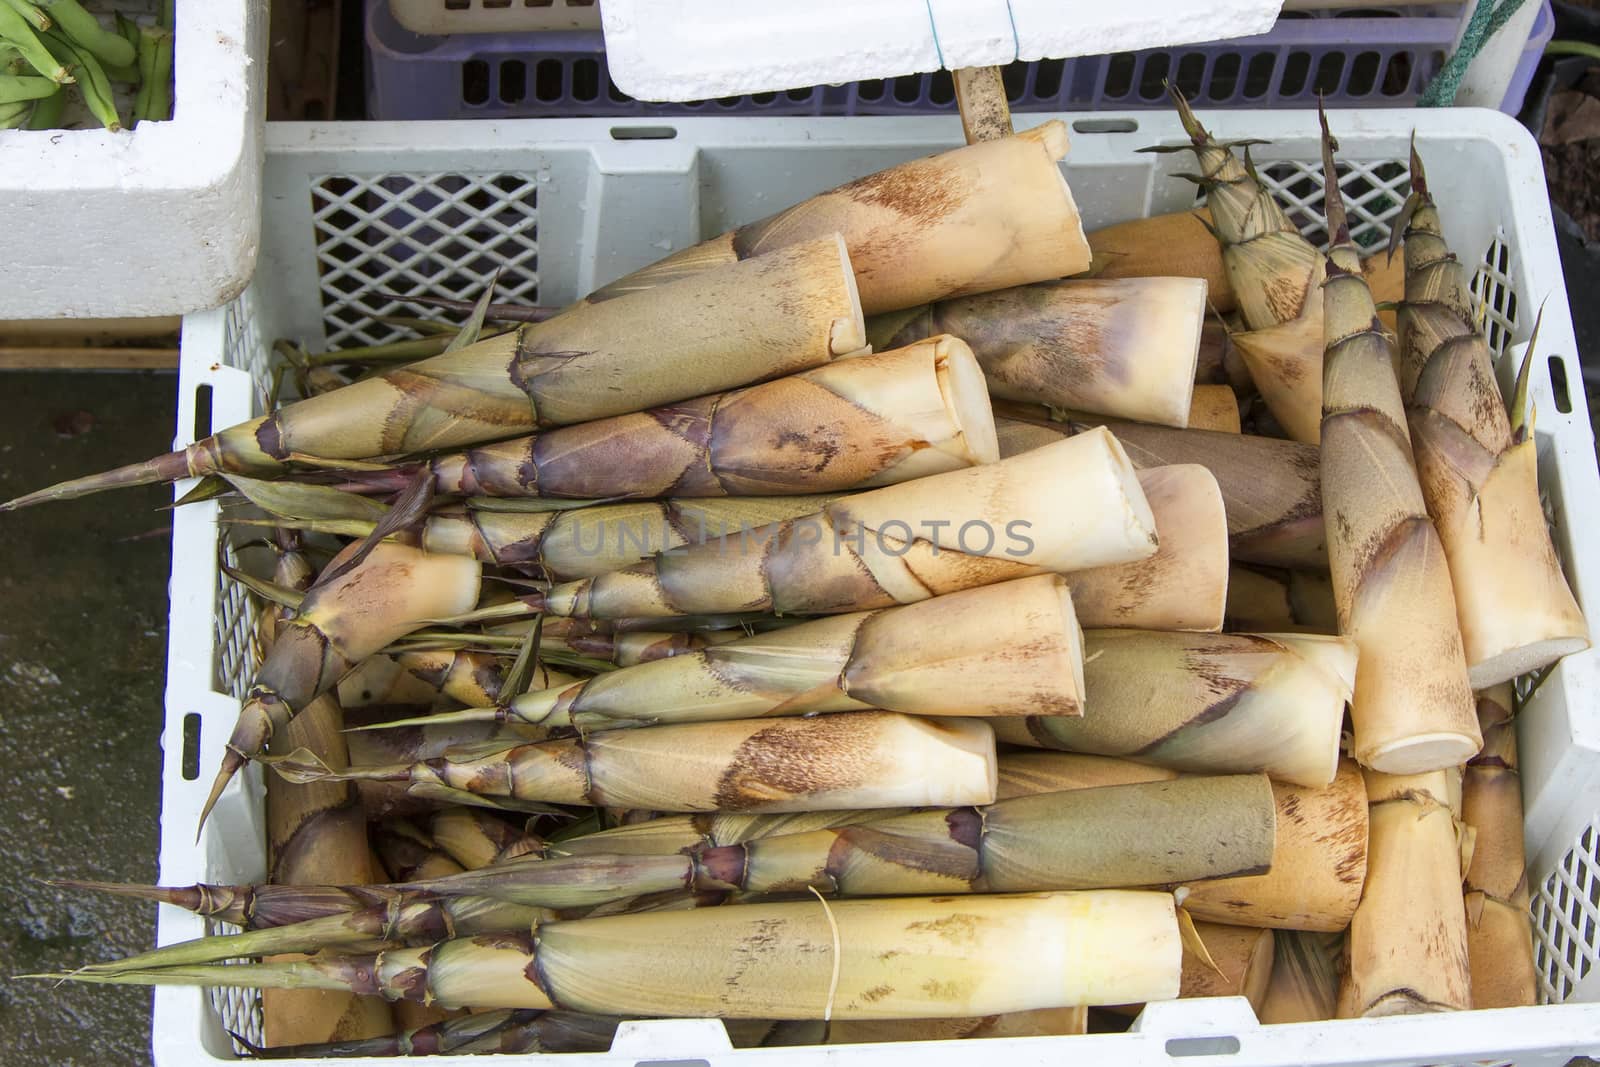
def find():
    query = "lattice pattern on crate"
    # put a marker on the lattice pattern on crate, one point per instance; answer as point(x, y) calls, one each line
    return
point(1494, 297)
point(244, 347)
point(237, 652)
point(1373, 196)
point(238, 1009)
point(402, 234)
point(1566, 919)
point(1374, 193)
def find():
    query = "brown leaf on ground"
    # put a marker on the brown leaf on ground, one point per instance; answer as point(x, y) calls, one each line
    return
point(1569, 169)
point(1572, 116)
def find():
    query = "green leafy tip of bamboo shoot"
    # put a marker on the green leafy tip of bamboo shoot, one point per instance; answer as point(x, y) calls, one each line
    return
point(1521, 412)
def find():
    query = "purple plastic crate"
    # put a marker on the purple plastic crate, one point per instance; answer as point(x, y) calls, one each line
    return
point(1364, 58)
point(522, 75)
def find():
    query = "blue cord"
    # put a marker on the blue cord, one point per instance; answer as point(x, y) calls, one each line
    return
point(1485, 22)
point(1011, 16)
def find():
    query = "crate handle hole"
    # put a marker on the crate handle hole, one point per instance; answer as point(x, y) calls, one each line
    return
point(202, 412)
point(190, 763)
point(1558, 384)
point(643, 133)
point(1105, 126)
point(1226, 1045)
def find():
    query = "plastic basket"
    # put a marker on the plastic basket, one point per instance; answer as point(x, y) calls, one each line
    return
point(567, 205)
point(495, 16)
point(159, 220)
point(1361, 58)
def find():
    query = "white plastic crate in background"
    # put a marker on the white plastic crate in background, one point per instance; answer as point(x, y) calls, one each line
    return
point(352, 210)
point(158, 220)
point(495, 16)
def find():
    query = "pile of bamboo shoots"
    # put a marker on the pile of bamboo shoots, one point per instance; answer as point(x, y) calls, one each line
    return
point(871, 624)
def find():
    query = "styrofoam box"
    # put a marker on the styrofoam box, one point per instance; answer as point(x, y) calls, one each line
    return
point(158, 220)
point(566, 205)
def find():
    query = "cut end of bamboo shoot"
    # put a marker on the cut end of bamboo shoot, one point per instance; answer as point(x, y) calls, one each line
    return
point(848, 335)
point(1285, 362)
point(1214, 407)
point(1519, 661)
point(1176, 245)
point(966, 397)
point(1421, 753)
point(1184, 586)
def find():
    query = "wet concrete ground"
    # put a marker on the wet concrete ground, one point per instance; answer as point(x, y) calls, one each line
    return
point(83, 609)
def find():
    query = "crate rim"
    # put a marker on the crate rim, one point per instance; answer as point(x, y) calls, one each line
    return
point(697, 131)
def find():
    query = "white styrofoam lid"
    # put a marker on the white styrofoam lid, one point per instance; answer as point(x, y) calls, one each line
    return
point(702, 49)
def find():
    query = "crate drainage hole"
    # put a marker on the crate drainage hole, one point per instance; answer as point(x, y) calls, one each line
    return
point(1105, 126)
point(643, 133)
point(191, 746)
point(1558, 384)
point(202, 412)
point(1202, 1046)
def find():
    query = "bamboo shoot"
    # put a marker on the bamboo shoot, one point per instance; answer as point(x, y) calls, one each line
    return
point(1214, 703)
point(1408, 940)
point(1125, 348)
point(1412, 709)
point(1270, 488)
point(1478, 468)
point(899, 544)
point(975, 219)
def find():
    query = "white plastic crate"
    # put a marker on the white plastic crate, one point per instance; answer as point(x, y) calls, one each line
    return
point(159, 220)
point(571, 204)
